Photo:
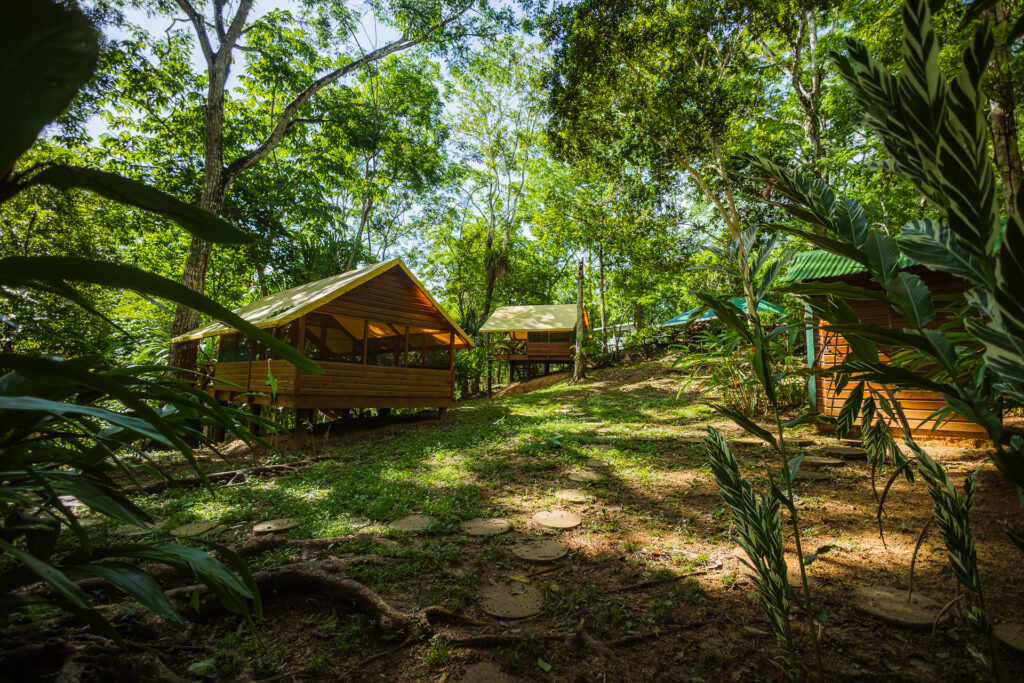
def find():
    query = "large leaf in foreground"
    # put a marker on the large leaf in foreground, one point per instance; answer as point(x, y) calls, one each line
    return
point(47, 52)
point(21, 271)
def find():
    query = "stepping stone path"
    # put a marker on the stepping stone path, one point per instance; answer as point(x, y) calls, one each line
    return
point(596, 462)
point(511, 601)
point(747, 443)
point(573, 496)
point(601, 446)
point(413, 523)
point(689, 439)
point(194, 529)
point(485, 527)
point(557, 519)
point(846, 452)
point(585, 475)
point(274, 526)
point(891, 604)
point(801, 442)
point(485, 672)
point(811, 475)
point(540, 550)
point(822, 461)
point(1011, 635)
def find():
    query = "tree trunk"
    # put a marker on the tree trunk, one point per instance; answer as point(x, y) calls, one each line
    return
point(491, 271)
point(579, 368)
point(604, 324)
point(1002, 109)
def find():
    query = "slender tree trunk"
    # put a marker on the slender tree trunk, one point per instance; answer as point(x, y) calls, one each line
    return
point(579, 367)
point(604, 324)
point(1002, 109)
point(364, 216)
point(491, 271)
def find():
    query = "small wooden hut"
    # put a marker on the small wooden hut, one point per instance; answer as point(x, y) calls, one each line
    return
point(827, 348)
point(528, 337)
point(382, 340)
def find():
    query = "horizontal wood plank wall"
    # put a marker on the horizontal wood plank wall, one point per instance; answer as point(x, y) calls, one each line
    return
point(390, 297)
point(831, 349)
point(351, 385)
point(549, 351)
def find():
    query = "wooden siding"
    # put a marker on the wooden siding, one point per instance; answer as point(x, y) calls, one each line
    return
point(343, 385)
point(831, 349)
point(549, 351)
point(391, 297)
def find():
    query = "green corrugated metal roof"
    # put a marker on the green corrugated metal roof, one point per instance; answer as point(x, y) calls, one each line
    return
point(739, 303)
point(819, 264)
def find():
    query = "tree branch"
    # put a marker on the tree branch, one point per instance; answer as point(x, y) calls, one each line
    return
point(200, 25)
point(277, 134)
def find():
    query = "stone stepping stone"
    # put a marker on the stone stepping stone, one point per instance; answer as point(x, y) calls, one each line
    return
point(846, 452)
point(601, 446)
point(748, 443)
point(511, 601)
point(801, 442)
point(891, 604)
point(557, 519)
point(811, 475)
point(1011, 635)
point(194, 529)
point(485, 672)
point(597, 463)
point(585, 475)
point(850, 442)
point(485, 527)
point(573, 496)
point(413, 523)
point(540, 550)
point(822, 461)
point(689, 439)
point(276, 526)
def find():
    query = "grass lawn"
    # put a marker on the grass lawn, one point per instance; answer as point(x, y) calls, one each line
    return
point(656, 514)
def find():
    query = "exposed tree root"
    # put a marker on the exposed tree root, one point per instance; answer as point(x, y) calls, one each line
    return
point(227, 476)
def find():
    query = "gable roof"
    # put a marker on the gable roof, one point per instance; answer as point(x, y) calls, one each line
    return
point(819, 264)
point(552, 318)
point(288, 305)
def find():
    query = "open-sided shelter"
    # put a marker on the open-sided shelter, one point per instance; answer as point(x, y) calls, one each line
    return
point(382, 340)
point(530, 336)
point(827, 348)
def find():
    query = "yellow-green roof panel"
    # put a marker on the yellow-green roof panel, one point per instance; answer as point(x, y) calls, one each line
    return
point(552, 318)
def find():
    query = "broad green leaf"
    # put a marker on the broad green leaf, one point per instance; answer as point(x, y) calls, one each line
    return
point(22, 271)
point(33, 403)
point(198, 222)
point(47, 52)
point(136, 583)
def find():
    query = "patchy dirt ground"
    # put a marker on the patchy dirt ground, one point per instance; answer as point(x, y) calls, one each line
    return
point(652, 574)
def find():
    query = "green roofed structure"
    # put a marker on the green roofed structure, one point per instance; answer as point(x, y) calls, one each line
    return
point(740, 303)
point(827, 348)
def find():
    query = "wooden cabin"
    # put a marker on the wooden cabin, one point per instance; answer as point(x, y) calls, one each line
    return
point(828, 348)
point(529, 337)
point(382, 340)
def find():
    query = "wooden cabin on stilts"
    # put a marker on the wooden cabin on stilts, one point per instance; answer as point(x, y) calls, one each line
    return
point(529, 338)
point(382, 340)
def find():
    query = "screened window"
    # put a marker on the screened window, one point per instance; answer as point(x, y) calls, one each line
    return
point(385, 343)
point(233, 347)
point(429, 349)
point(537, 336)
point(334, 338)
point(561, 336)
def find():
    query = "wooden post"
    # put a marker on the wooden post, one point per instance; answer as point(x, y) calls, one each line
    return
point(579, 362)
point(490, 388)
point(301, 347)
point(366, 336)
point(405, 354)
point(253, 427)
